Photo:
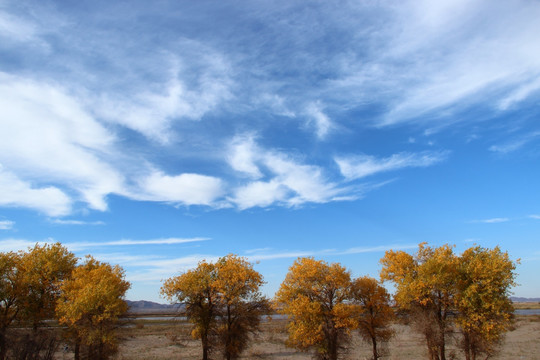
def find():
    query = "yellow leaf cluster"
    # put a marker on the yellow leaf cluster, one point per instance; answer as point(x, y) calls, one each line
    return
point(314, 295)
point(92, 300)
point(222, 301)
point(43, 269)
point(435, 282)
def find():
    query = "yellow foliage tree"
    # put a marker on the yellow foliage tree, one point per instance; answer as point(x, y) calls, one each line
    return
point(223, 302)
point(241, 303)
point(90, 304)
point(425, 287)
point(196, 290)
point(10, 295)
point(314, 295)
point(485, 311)
point(43, 269)
point(372, 311)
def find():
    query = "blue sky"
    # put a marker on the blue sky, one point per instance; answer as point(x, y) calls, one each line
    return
point(156, 135)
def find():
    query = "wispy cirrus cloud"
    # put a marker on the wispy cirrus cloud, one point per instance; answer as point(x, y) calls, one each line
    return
point(78, 246)
point(71, 122)
point(15, 192)
point(153, 112)
point(51, 138)
point(285, 181)
point(6, 224)
point(433, 60)
point(359, 166)
point(318, 119)
point(516, 143)
point(11, 244)
point(15, 28)
point(491, 221)
point(76, 222)
point(271, 254)
point(382, 248)
point(534, 216)
point(24, 244)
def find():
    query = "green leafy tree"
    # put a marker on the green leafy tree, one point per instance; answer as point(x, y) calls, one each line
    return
point(372, 312)
point(314, 295)
point(90, 303)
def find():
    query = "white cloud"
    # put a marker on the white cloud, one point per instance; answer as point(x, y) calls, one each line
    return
point(491, 221)
point(268, 254)
point(6, 224)
point(537, 217)
point(280, 255)
point(76, 222)
point(152, 268)
point(15, 28)
point(515, 144)
point(319, 119)
point(359, 166)
point(433, 58)
point(520, 94)
point(7, 245)
point(17, 193)
point(260, 193)
point(287, 182)
point(165, 241)
point(307, 181)
point(82, 245)
point(361, 250)
point(277, 105)
point(243, 155)
point(188, 189)
point(152, 112)
point(47, 137)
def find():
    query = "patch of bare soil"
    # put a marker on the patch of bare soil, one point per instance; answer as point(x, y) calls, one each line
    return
point(172, 341)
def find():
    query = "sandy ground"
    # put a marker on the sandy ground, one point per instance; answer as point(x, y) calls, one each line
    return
point(166, 341)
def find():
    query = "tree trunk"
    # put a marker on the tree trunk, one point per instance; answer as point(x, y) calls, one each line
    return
point(374, 343)
point(467, 346)
point(204, 340)
point(441, 319)
point(228, 336)
point(3, 349)
point(77, 350)
point(334, 344)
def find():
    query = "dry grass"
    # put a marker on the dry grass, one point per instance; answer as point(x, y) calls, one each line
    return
point(527, 305)
point(170, 341)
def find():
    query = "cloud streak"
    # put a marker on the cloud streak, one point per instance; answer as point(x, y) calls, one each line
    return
point(22, 244)
point(281, 179)
point(359, 166)
point(86, 116)
point(6, 224)
point(491, 221)
point(76, 222)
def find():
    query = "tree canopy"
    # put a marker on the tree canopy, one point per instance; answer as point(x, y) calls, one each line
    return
point(223, 301)
point(435, 283)
point(90, 304)
point(314, 295)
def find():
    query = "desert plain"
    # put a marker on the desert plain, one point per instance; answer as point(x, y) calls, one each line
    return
point(157, 339)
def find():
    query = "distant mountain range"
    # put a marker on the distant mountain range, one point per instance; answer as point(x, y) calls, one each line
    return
point(150, 307)
point(522, 299)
